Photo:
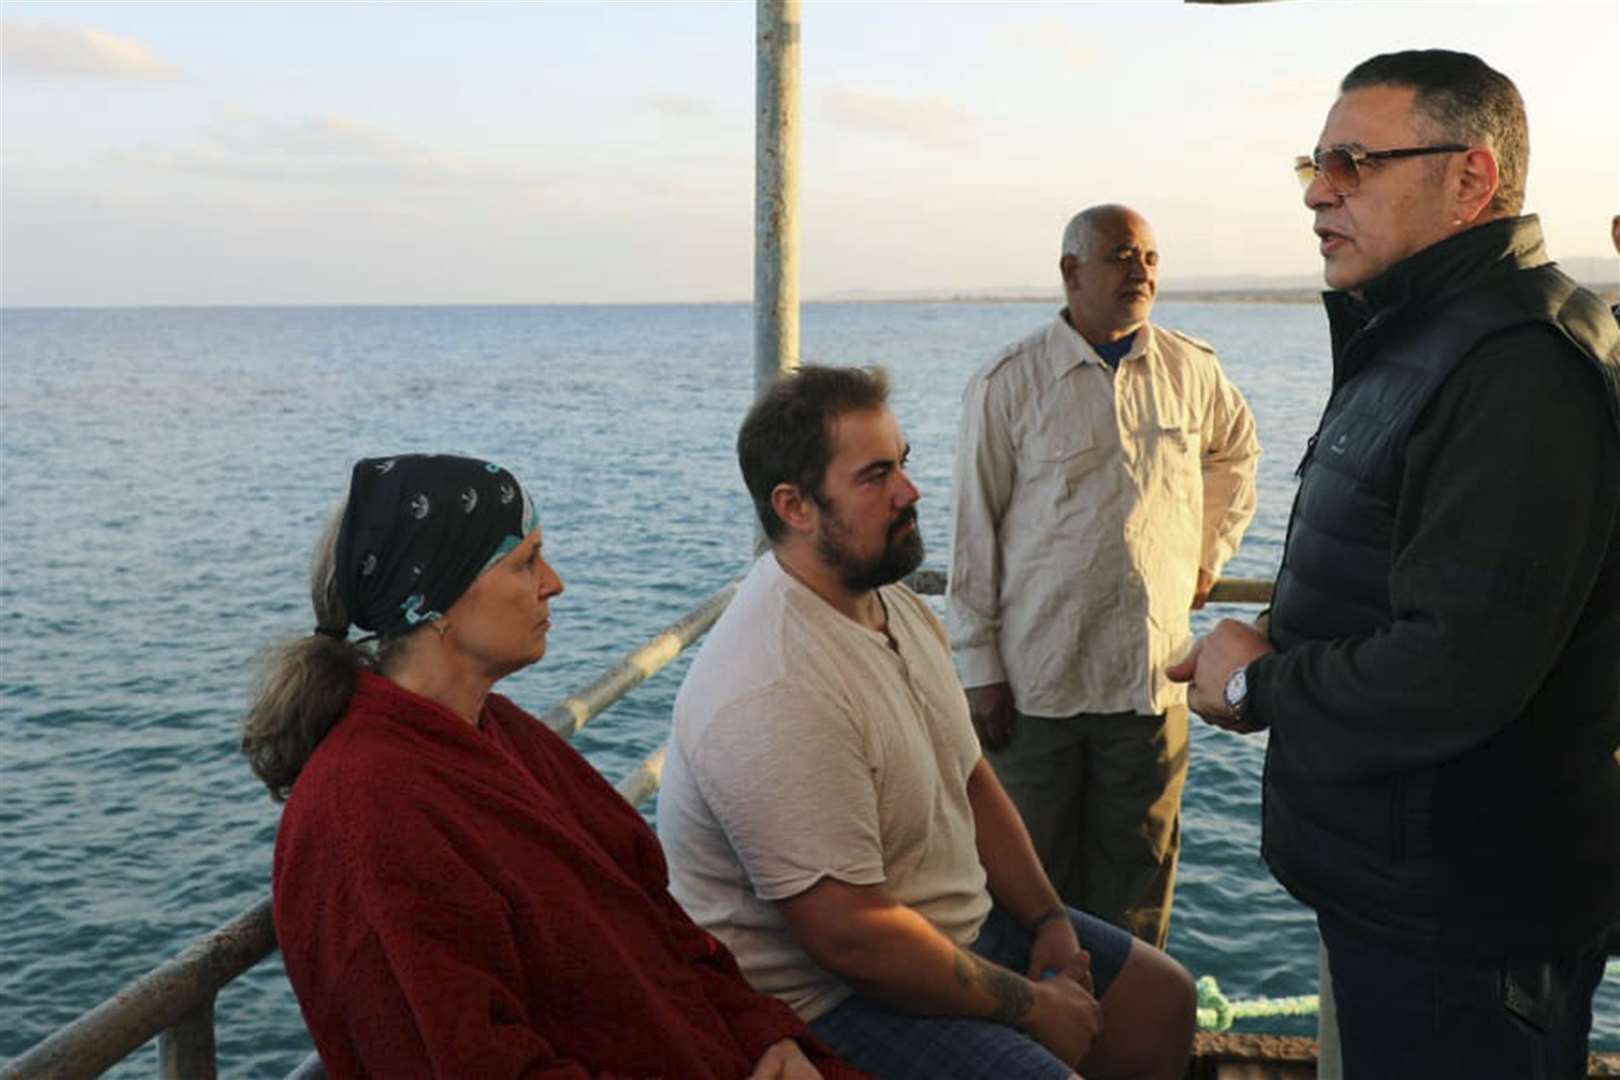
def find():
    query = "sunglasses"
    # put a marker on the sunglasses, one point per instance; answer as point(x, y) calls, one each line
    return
point(1341, 167)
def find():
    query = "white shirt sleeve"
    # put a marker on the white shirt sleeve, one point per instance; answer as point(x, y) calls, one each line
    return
point(982, 485)
point(785, 772)
point(1231, 455)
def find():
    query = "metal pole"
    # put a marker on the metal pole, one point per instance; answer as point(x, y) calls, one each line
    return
point(776, 191)
point(186, 1050)
point(177, 994)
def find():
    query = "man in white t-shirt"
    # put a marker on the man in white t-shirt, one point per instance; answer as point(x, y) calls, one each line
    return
point(828, 814)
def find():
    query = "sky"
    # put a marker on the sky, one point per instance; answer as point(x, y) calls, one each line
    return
point(327, 153)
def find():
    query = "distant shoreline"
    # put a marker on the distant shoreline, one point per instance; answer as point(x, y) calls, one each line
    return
point(1610, 294)
point(1202, 296)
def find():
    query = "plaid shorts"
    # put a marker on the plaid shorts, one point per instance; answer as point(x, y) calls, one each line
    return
point(893, 1045)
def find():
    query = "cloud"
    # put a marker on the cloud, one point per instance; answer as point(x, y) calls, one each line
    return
point(1054, 40)
point(63, 51)
point(318, 149)
point(935, 120)
point(681, 105)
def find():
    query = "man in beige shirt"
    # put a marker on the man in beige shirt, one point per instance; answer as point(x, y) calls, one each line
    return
point(1104, 473)
point(827, 810)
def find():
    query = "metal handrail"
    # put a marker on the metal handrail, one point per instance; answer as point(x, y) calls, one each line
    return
point(575, 711)
point(1238, 590)
point(1227, 590)
point(175, 1001)
point(158, 1002)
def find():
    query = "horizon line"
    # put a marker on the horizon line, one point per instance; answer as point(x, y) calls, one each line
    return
point(1255, 290)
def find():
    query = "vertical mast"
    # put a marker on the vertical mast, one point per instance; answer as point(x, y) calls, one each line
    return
point(776, 191)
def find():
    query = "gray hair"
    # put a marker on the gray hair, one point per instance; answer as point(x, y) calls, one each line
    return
point(1083, 226)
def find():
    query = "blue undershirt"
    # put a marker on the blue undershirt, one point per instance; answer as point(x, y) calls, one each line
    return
point(1113, 352)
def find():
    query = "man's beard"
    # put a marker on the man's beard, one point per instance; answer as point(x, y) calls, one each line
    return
point(902, 552)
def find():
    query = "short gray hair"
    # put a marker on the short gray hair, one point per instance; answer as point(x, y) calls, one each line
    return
point(1083, 226)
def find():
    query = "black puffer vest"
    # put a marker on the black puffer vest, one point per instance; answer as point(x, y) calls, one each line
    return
point(1375, 840)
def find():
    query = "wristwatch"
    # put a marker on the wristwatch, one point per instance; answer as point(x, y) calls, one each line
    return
point(1237, 695)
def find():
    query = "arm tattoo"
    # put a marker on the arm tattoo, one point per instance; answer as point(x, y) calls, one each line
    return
point(1012, 994)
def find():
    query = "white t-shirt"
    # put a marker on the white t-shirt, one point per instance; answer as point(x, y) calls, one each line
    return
point(805, 747)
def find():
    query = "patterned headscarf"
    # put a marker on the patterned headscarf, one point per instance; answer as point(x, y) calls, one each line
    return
point(417, 530)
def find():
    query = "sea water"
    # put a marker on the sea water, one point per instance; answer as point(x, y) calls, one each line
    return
point(163, 473)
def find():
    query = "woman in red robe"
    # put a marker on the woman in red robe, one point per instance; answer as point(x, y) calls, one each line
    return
point(457, 892)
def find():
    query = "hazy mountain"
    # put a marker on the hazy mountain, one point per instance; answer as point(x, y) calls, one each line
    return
point(1591, 271)
point(1595, 272)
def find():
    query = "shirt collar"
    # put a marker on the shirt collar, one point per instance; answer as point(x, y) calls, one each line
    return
point(786, 581)
point(1067, 350)
point(1427, 277)
point(1459, 261)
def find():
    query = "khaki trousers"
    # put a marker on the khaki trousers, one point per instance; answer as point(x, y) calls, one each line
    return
point(1101, 796)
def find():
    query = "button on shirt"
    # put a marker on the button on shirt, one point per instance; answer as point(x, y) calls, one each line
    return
point(1085, 503)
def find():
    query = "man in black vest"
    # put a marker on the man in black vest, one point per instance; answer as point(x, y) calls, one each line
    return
point(1614, 234)
point(1440, 669)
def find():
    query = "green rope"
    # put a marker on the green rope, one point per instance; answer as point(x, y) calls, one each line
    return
point(1216, 1012)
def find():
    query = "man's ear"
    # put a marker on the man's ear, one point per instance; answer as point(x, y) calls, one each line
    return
point(1066, 265)
point(796, 509)
point(1477, 185)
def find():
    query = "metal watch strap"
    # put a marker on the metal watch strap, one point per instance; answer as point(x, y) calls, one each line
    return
point(1236, 694)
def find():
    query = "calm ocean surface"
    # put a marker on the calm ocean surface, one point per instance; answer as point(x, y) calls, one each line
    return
point(163, 473)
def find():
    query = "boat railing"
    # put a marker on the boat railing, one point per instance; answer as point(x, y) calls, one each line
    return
point(174, 1002)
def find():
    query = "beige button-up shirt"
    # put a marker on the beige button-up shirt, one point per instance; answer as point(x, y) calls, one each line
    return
point(1085, 503)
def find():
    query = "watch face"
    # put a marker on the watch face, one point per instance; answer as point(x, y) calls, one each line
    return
point(1237, 688)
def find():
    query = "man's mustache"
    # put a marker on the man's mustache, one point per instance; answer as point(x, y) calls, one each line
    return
point(908, 516)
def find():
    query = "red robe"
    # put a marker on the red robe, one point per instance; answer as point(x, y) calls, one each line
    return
point(478, 902)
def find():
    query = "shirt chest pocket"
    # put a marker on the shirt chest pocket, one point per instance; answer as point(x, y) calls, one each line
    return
point(1178, 447)
point(1060, 455)
point(1176, 458)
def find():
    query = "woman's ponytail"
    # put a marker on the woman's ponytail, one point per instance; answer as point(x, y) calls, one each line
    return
point(304, 685)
